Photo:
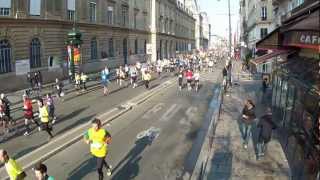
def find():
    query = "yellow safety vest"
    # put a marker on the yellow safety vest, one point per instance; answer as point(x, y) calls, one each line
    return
point(44, 115)
point(13, 169)
point(98, 146)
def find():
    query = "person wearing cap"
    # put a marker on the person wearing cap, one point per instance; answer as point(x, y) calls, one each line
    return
point(13, 169)
point(40, 171)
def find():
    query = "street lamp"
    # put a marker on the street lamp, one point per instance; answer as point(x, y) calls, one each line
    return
point(230, 35)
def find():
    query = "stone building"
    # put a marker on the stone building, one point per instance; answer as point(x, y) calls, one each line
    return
point(33, 35)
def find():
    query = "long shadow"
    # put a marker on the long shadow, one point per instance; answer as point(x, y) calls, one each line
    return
point(75, 124)
point(27, 150)
point(130, 167)
point(221, 162)
point(83, 169)
point(71, 115)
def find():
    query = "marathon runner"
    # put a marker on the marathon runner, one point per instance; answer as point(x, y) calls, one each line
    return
point(99, 139)
point(44, 118)
point(28, 114)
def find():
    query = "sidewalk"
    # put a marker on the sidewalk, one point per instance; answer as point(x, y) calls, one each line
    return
point(229, 160)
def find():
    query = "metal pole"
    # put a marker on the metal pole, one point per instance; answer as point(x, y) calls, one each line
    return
point(230, 34)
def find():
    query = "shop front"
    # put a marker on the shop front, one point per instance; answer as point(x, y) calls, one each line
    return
point(296, 91)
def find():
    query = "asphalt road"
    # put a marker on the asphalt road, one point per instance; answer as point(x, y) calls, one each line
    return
point(75, 110)
point(153, 141)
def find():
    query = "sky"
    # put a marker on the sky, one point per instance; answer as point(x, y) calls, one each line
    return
point(217, 11)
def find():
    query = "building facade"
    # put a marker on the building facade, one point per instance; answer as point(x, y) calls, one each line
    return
point(33, 35)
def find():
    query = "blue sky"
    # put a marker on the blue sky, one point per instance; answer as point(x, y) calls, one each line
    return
point(218, 15)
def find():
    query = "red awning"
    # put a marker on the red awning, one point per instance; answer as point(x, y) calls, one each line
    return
point(268, 57)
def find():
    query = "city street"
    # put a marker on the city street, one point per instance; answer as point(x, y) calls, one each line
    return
point(75, 110)
point(153, 141)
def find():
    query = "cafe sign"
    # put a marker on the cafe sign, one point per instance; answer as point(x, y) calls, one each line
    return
point(302, 39)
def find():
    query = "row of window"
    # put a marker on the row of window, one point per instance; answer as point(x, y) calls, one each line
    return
point(35, 10)
point(111, 49)
point(6, 55)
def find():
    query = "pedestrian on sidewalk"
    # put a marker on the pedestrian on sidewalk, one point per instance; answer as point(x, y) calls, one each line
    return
point(28, 114)
point(44, 118)
point(13, 169)
point(51, 108)
point(99, 139)
point(147, 78)
point(83, 79)
point(6, 101)
point(248, 117)
point(3, 115)
point(224, 75)
point(105, 80)
point(229, 72)
point(264, 89)
point(265, 127)
point(40, 171)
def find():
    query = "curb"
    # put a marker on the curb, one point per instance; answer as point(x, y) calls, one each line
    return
point(200, 169)
point(127, 107)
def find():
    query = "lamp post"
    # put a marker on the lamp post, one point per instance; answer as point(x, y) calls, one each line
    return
point(230, 34)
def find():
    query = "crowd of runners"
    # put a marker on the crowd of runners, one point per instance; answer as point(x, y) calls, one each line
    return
point(42, 117)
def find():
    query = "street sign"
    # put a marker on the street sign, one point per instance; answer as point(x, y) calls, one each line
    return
point(22, 66)
point(149, 48)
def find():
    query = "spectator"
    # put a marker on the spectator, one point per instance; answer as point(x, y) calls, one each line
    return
point(248, 117)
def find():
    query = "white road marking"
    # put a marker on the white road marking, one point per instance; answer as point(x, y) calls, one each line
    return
point(191, 112)
point(152, 133)
point(170, 112)
point(152, 111)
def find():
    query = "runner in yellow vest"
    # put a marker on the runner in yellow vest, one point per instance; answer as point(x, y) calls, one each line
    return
point(98, 139)
point(13, 169)
point(44, 118)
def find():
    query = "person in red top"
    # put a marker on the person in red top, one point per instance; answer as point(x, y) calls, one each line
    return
point(189, 76)
point(28, 113)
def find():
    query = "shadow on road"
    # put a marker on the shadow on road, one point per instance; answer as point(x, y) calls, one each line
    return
point(83, 169)
point(130, 163)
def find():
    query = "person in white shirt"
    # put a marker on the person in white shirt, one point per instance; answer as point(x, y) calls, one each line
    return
point(196, 77)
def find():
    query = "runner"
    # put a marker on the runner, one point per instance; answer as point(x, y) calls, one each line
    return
point(210, 65)
point(99, 139)
point(133, 75)
point(77, 81)
point(40, 171)
point(180, 79)
point(196, 78)
point(44, 118)
point(122, 75)
point(51, 108)
point(28, 114)
point(105, 80)
point(59, 88)
point(189, 76)
point(147, 78)
point(83, 79)
point(13, 169)
point(126, 70)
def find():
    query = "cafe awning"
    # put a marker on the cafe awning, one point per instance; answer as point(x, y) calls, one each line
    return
point(303, 32)
point(271, 41)
point(268, 57)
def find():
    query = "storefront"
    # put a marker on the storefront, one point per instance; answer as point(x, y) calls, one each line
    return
point(296, 91)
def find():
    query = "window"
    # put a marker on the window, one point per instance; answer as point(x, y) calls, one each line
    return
point(94, 49)
point(34, 7)
point(5, 7)
point(135, 20)
point(124, 16)
point(35, 53)
point(110, 15)
point(111, 48)
point(71, 9)
point(264, 13)
point(136, 46)
point(92, 12)
point(5, 56)
point(263, 32)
